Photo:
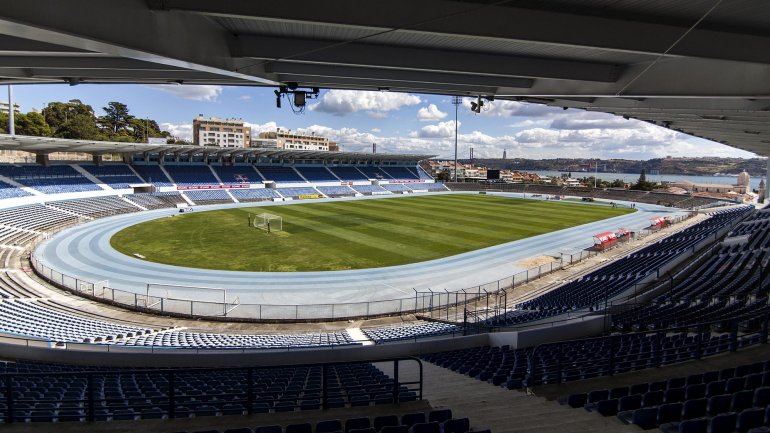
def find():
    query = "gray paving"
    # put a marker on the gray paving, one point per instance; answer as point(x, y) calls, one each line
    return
point(84, 253)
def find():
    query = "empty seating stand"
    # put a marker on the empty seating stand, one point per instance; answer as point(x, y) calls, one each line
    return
point(35, 217)
point(237, 174)
point(280, 174)
point(157, 200)
point(189, 339)
point(317, 174)
point(117, 176)
point(254, 194)
point(435, 421)
point(375, 173)
point(348, 174)
point(54, 392)
point(727, 284)
point(411, 331)
point(370, 189)
point(589, 291)
point(9, 191)
point(191, 175)
point(209, 196)
point(720, 401)
point(54, 179)
point(152, 173)
point(336, 191)
point(396, 188)
point(420, 186)
point(96, 207)
point(403, 173)
point(299, 192)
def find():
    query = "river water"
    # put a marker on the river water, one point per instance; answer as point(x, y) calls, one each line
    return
point(633, 177)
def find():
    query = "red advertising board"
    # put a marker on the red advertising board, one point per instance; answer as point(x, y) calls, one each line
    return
point(229, 186)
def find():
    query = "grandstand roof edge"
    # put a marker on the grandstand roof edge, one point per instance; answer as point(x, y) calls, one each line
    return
point(49, 145)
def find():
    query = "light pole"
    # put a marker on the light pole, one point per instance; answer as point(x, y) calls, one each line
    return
point(596, 173)
point(456, 101)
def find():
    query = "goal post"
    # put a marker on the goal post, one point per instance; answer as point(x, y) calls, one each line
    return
point(267, 222)
point(204, 301)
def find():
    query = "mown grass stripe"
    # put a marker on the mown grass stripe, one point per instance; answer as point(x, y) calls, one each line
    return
point(350, 234)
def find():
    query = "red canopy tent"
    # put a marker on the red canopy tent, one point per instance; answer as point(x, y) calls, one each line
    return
point(602, 241)
point(657, 222)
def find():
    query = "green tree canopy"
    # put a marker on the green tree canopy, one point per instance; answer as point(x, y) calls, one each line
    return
point(73, 119)
point(32, 123)
point(642, 184)
point(116, 118)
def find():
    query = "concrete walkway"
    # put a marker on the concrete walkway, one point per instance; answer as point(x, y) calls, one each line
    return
point(502, 410)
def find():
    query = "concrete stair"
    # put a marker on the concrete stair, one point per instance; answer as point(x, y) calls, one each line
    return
point(500, 409)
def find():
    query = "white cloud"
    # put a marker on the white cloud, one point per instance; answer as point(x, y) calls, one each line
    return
point(206, 93)
point(593, 120)
point(502, 108)
point(244, 98)
point(256, 128)
point(440, 130)
point(545, 132)
point(529, 122)
point(179, 130)
point(431, 113)
point(375, 104)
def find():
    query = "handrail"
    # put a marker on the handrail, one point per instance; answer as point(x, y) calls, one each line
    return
point(394, 392)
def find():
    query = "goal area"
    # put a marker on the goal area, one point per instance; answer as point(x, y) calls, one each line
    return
point(267, 222)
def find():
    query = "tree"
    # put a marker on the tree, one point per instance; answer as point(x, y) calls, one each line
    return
point(4, 123)
point(642, 184)
point(116, 117)
point(73, 119)
point(442, 176)
point(32, 124)
point(58, 113)
point(142, 129)
point(79, 128)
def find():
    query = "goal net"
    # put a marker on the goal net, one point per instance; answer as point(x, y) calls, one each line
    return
point(267, 222)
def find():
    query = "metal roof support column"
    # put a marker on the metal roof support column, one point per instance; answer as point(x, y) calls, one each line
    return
point(42, 159)
point(11, 121)
point(767, 181)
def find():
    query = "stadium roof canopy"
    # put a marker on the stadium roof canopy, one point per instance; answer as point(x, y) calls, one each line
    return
point(45, 145)
point(696, 66)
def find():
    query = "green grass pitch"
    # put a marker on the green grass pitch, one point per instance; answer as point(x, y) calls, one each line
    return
point(358, 234)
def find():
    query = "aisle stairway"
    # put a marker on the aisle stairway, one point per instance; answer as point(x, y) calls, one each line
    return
point(504, 411)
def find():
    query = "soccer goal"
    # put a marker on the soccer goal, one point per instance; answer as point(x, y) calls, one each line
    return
point(267, 222)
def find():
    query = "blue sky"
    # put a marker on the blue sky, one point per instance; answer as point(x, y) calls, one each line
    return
point(397, 122)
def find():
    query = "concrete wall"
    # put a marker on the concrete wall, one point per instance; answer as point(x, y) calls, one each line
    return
point(579, 328)
point(116, 356)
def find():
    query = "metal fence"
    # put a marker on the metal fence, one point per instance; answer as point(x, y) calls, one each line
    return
point(423, 302)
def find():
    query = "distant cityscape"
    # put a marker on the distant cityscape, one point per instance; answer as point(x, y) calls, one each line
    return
point(739, 190)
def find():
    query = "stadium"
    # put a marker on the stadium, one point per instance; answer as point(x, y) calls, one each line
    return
point(219, 289)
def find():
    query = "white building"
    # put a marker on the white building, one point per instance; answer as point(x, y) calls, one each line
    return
point(295, 141)
point(4, 107)
point(220, 132)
